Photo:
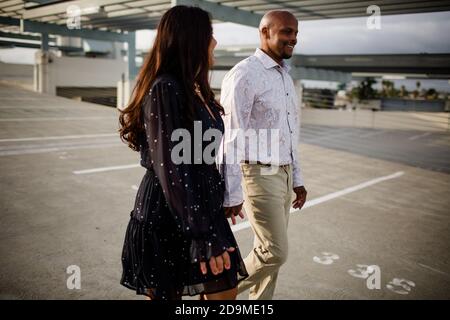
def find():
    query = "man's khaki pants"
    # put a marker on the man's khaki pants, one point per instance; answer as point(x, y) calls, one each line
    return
point(267, 202)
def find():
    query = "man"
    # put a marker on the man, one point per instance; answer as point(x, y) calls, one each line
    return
point(258, 94)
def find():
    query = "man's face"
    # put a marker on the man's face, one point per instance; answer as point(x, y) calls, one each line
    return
point(282, 37)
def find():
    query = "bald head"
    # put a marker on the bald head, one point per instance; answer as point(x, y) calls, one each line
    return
point(278, 33)
point(275, 17)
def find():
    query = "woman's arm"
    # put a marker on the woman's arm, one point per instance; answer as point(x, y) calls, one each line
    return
point(163, 114)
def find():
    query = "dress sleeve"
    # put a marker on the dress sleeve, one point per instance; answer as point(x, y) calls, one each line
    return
point(162, 116)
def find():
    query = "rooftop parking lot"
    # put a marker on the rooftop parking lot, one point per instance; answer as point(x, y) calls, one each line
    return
point(376, 196)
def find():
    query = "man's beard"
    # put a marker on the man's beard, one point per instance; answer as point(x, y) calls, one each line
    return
point(286, 55)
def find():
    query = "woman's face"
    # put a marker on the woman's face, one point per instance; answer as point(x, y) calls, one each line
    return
point(212, 45)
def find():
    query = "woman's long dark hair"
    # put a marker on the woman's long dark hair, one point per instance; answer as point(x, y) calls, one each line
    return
point(180, 49)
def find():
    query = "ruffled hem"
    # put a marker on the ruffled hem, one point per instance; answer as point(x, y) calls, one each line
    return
point(143, 272)
point(210, 287)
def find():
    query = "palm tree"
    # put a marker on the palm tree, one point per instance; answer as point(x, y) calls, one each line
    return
point(417, 91)
point(403, 92)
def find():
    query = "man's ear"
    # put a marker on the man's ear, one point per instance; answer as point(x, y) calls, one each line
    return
point(265, 32)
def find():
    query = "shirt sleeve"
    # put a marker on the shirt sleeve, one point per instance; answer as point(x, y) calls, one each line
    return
point(297, 174)
point(237, 97)
point(193, 215)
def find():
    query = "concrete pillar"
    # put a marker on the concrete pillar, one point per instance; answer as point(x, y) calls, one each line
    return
point(35, 75)
point(126, 84)
point(41, 77)
point(44, 41)
point(124, 90)
point(120, 89)
point(41, 69)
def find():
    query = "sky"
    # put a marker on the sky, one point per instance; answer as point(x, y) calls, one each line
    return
point(409, 33)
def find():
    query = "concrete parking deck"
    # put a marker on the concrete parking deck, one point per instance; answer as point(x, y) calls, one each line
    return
point(375, 197)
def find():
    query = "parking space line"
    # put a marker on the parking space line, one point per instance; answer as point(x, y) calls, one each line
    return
point(103, 169)
point(372, 134)
point(433, 269)
point(331, 196)
point(81, 136)
point(310, 203)
point(420, 136)
point(28, 107)
point(54, 119)
point(23, 150)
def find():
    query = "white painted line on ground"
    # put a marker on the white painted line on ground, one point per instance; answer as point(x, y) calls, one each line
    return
point(61, 137)
point(103, 169)
point(400, 286)
point(240, 226)
point(329, 136)
point(53, 119)
point(28, 98)
point(326, 258)
point(340, 193)
point(372, 134)
point(28, 107)
point(420, 136)
point(310, 203)
point(433, 269)
point(46, 149)
point(328, 197)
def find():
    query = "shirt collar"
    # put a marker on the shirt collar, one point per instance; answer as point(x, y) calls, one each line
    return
point(268, 62)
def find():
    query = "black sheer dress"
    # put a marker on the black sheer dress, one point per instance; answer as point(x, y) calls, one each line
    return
point(178, 218)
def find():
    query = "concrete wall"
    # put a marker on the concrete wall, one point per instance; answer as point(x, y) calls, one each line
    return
point(51, 71)
point(425, 121)
point(86, 72)
point(412, 105)
point(17, 74)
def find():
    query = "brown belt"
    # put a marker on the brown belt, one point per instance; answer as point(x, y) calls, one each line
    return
point(265, 164)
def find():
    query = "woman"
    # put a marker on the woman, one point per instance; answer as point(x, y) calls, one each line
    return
point(178, 241)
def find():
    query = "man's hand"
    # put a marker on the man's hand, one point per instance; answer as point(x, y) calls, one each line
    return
point(232, 212)
point(300, 199)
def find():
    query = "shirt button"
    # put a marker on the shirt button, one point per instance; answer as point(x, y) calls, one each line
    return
point(287, 94)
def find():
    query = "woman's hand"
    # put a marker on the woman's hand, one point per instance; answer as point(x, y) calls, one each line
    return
point(216, 264)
